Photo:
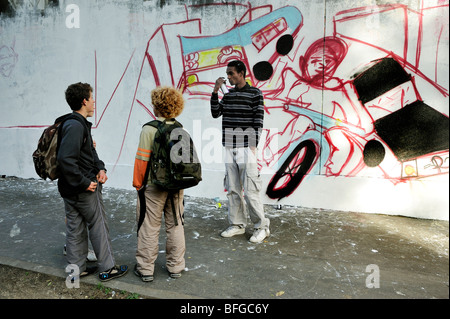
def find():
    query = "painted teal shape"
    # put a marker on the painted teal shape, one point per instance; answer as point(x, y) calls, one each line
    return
point(325, 121)
point(242, 35)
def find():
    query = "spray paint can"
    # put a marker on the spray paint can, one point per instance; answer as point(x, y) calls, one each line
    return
point(224, 88)
point(218, 204)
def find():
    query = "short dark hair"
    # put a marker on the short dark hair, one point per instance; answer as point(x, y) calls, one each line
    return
point(76, 93)
point(239, 66)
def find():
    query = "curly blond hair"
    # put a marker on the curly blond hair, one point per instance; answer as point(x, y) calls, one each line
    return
point(167, 101)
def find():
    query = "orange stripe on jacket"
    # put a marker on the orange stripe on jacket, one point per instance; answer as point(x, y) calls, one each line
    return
point(143, 153)
point(140, 167)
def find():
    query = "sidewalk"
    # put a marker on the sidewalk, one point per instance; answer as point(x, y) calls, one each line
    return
point(311, 253)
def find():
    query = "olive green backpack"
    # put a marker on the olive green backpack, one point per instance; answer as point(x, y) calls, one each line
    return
point(174, 164)
point(173, 160)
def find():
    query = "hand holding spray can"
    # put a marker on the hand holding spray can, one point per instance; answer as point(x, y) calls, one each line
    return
point(223, 87)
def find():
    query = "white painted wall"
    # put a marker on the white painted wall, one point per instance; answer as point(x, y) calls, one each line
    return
point(41, 55)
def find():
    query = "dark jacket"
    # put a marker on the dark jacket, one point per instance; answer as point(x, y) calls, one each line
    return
point(78, 161)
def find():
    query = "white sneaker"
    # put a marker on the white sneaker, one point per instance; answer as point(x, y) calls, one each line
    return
point(233, 231)
point(90, 257)
point(259, 235)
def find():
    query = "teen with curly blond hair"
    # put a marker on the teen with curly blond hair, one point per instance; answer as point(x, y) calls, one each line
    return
point(168, 103)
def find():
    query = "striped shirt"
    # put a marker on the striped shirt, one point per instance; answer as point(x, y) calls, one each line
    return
point(242, 112)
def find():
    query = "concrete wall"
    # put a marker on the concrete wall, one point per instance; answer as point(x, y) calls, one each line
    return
point(368, 134)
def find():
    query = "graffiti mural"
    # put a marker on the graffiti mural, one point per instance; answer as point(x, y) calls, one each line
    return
point(356, 94)
point(319, 123)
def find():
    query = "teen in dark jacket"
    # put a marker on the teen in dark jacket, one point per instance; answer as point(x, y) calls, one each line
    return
point(77, 157)
point(80, 185)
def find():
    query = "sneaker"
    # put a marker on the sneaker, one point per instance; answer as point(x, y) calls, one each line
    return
point(90, 257)
point(175, 275)
point(114, 272)
point(259, 235)
point(144, 278)
point(233, 231)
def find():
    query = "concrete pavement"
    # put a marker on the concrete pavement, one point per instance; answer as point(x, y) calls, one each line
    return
point(311, 253)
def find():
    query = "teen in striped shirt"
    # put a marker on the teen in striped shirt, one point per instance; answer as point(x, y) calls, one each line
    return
point(242, 111)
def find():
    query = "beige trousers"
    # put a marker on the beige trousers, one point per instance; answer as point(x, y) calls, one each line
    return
point(158, 204)
point(242, 176)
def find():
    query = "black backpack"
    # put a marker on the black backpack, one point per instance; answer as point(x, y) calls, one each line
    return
point(173, 165)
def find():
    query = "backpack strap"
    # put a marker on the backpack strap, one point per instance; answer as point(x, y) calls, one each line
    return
point(141, 191)
point(141, 195)
point(154, 123)
point(157, 123)
point(174, 211)
point(63, 119)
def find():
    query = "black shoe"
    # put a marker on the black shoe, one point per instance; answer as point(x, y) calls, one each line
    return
point(114, 272)
point(89, 270)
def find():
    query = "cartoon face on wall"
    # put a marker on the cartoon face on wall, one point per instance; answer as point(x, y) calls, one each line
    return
point(321, 60)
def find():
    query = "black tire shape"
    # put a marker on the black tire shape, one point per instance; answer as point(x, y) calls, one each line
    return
point(295, 168)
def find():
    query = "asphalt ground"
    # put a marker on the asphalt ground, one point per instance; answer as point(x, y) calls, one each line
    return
point(310, 254)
